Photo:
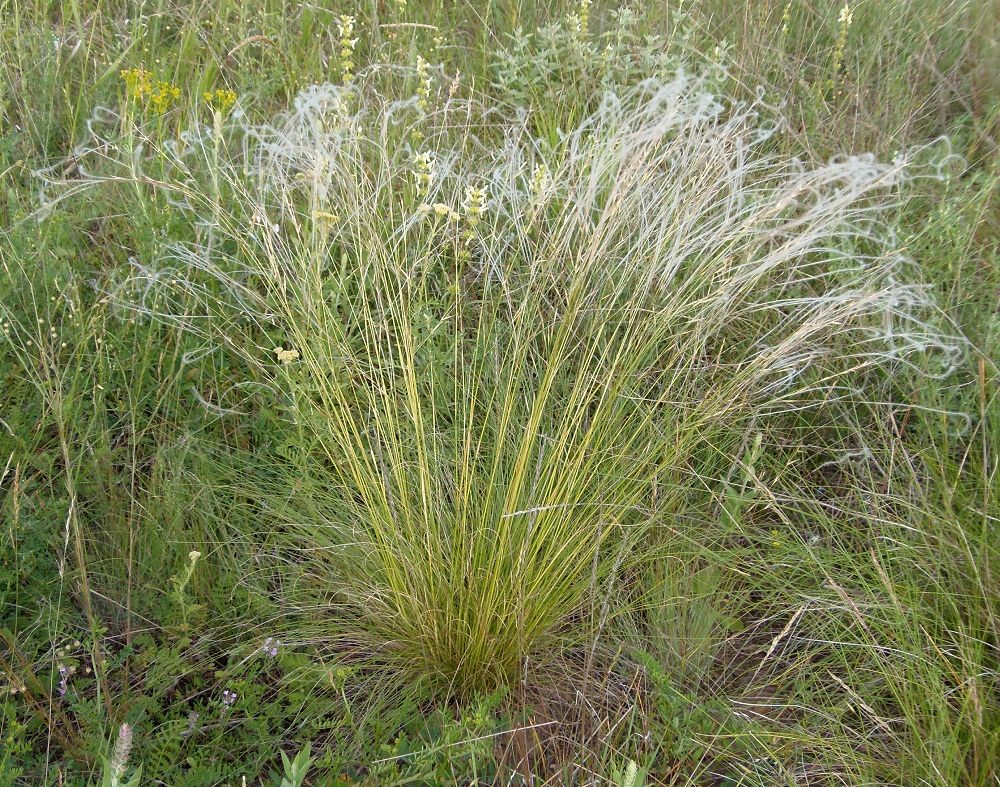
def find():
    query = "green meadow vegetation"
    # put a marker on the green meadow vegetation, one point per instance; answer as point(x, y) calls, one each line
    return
point(415, 392)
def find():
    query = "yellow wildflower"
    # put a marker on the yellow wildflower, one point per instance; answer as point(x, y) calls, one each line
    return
point(345, 26)
point(219, 99)
point(474, 205)
point(584, 15)
point(165, 94)
point(138, 82)
point(423, 172)
point(141, 85)
point(845, 19)
point(424, 83)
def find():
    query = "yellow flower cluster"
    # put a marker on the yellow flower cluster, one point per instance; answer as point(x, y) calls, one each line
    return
point(845, 19)
point(323, 217)
point(541, 180)
point(538, 191)
point(474, 205)
point(141, 85)
point(345, 26)
point(220, 99)
point(439, 209)
point(579, 22)
point(424, 82)
point(423, 172)
point(786, 19)
point(163, 96)
point(138, 82)
point(473, 208)
point(585, 15)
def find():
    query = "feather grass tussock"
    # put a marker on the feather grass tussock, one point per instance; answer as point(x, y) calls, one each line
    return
point(505, 346)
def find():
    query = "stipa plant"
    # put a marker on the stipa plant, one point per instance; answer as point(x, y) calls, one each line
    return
point(488, 374)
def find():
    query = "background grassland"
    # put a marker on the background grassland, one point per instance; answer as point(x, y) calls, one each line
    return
point(818, 600)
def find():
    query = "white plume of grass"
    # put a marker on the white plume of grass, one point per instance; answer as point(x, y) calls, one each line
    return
point(495, 400)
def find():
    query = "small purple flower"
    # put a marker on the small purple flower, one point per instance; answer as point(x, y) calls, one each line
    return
point(228, 699)
point(64, 679)
point(271, 646)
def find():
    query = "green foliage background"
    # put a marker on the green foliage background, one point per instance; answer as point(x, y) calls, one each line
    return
point(803, 626)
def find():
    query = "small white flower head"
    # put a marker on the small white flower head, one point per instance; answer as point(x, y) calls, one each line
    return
point(193, 555)
point(846, 17)
point(286, 356)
